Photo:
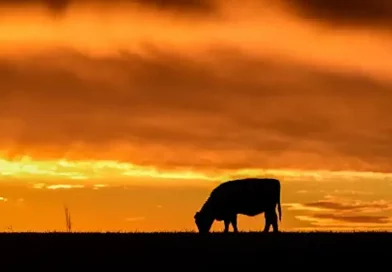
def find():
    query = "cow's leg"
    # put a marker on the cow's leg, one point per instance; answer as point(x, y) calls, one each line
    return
point(267, 217)
point(274, 220)
point(227, 224)
point(234, 223)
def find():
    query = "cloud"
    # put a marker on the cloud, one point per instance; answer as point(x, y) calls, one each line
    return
point(355, 218)
point(261, 28)
point(200, 92)
point(355, 206)
point(352, 192)
point(344, 213)
point(64, 186)
point(349, 12)
point(90, 171)
point(99, 186)
point(132, 219)
point(333, 221)
point(243, 111)
point(342, 206)
point(57, 186)
point(60, 6)
point(339, 191)
point(53, 5)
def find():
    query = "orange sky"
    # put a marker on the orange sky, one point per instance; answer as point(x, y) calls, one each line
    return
point(131, 113)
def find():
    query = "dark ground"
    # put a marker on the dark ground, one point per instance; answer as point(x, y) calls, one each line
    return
point(195, 252)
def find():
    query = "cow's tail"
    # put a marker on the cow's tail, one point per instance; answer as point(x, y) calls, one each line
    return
point(279, 206)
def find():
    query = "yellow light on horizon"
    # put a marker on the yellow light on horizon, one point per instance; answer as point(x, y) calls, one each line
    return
point(27, 168)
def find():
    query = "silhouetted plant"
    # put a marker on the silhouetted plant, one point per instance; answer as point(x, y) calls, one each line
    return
point(68, 221)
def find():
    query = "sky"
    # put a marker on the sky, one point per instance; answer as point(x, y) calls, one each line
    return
point(131, 112)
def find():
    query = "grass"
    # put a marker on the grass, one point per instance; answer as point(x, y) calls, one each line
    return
point(187, 251)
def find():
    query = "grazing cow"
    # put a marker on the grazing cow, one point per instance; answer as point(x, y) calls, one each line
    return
point(249, 196)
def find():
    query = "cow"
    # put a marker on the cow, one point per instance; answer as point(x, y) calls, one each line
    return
point(247, 196)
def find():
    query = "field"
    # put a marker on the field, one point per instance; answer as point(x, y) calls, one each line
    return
point(194, 252)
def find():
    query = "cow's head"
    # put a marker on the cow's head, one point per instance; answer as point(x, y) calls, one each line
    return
point(203, 222)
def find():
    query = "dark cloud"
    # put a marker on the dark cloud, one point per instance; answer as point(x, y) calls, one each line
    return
point(242, 111)
point(355, 218)
point(342, 213)
point(59, 6)
point(351, 12)
point(348, 12)
point(358, 206)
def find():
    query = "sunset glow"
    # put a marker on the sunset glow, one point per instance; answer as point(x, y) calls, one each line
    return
point(26, 168)
point(132, 112)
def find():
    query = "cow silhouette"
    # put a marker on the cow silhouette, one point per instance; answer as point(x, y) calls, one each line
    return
point(249, 196)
